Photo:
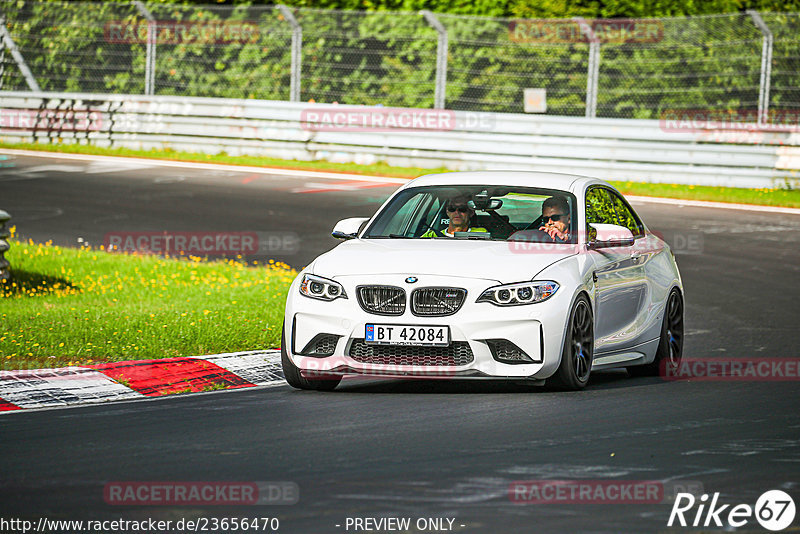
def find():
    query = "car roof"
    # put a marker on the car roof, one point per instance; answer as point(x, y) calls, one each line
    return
point(546, 180)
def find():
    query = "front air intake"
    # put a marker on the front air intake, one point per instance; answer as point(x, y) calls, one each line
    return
point(321, 345)
point(457, 353)
point(505, 351)
point(382, 300)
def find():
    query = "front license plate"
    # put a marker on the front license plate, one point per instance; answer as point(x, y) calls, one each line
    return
point(396, 334)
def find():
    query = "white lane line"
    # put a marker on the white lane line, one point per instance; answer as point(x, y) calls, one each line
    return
point(110, 167)
point(48, 168)
point(708, 204)
point(296, 173)
point(262, 368)
point(292, 173)
point(60, 387)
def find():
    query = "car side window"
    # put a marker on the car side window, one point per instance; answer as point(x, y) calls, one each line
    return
point(626, 217)
point(599, 207)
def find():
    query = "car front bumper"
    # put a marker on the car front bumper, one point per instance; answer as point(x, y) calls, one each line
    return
point(537, 329)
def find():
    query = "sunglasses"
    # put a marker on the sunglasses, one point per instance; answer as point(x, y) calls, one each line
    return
point(462, 208)
point(555, 217)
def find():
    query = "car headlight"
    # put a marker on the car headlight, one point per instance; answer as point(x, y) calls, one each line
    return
point(320, 288)
point(520, 293)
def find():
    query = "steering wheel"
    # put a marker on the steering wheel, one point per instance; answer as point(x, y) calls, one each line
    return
point(535, 224)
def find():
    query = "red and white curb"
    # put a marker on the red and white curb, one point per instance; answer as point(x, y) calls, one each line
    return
point(130, 380)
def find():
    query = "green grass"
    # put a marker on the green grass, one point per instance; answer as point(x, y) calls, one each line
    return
point(767, 197)
point(81, 306)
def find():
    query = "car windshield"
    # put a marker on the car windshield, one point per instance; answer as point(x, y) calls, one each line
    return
point(499, 213)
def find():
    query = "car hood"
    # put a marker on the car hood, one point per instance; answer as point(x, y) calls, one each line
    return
point(500, 261)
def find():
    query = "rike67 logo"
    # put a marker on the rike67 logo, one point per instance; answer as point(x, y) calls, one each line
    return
point(774, 510)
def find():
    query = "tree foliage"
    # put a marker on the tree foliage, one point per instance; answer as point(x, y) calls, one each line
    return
point(389, 58)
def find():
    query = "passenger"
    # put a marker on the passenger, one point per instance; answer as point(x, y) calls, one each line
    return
point(556, 218)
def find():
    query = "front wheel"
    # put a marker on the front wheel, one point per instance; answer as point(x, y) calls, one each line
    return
point(292, 374)
point(670, 345)
point(576, 356)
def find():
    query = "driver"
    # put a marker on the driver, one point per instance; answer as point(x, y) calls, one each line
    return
point(556, 218)
point(460, 215)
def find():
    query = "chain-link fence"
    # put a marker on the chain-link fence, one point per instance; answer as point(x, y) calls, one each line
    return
point(627, 68)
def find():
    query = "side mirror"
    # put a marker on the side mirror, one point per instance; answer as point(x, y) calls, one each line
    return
point(348, 228)
point(609, 235)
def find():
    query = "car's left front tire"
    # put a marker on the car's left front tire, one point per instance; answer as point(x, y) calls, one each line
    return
point(578, 351)
point(292, 374)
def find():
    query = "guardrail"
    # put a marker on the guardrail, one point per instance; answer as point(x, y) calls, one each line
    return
point(5, 271)
point(666, 151)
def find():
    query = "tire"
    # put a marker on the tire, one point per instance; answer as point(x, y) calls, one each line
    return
point(670, 345)
point(292, 374)
point(578, 350)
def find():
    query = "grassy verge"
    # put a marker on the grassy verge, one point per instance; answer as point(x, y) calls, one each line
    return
point(766, 197)
point(789, 198)
point(80, 306)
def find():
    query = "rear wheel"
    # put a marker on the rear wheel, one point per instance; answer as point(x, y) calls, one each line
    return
point(292, 374)
point(576, 356)
point(670, 345)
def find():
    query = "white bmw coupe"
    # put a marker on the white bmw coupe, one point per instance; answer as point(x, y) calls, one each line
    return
point(522, 276)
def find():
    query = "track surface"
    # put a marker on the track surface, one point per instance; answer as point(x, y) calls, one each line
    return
point(413, 448)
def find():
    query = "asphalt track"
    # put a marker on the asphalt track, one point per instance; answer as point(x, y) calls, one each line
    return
point(413, 448)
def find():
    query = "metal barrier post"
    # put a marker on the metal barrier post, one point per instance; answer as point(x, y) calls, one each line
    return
point(441, 59)
point(5, 272)
point(766, 66)
point(150, 52)
point(9, 43)
point(2, 61)
point(593, 70)
point(297, 52)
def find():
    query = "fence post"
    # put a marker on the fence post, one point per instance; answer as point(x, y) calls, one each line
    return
point(9, 43)
point(297, 53)
point(5, 272)
point(440, 90)
point(2, 60)
point(150, 53)
point(593, 70)
point(766, 66)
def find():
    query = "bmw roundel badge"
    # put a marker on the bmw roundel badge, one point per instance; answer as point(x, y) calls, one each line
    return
point(411, 279)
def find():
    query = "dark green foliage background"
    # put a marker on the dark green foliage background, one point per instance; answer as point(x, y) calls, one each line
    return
point(378, 56)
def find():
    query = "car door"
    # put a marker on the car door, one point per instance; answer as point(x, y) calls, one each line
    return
point(619, 288)
point(643, 251)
